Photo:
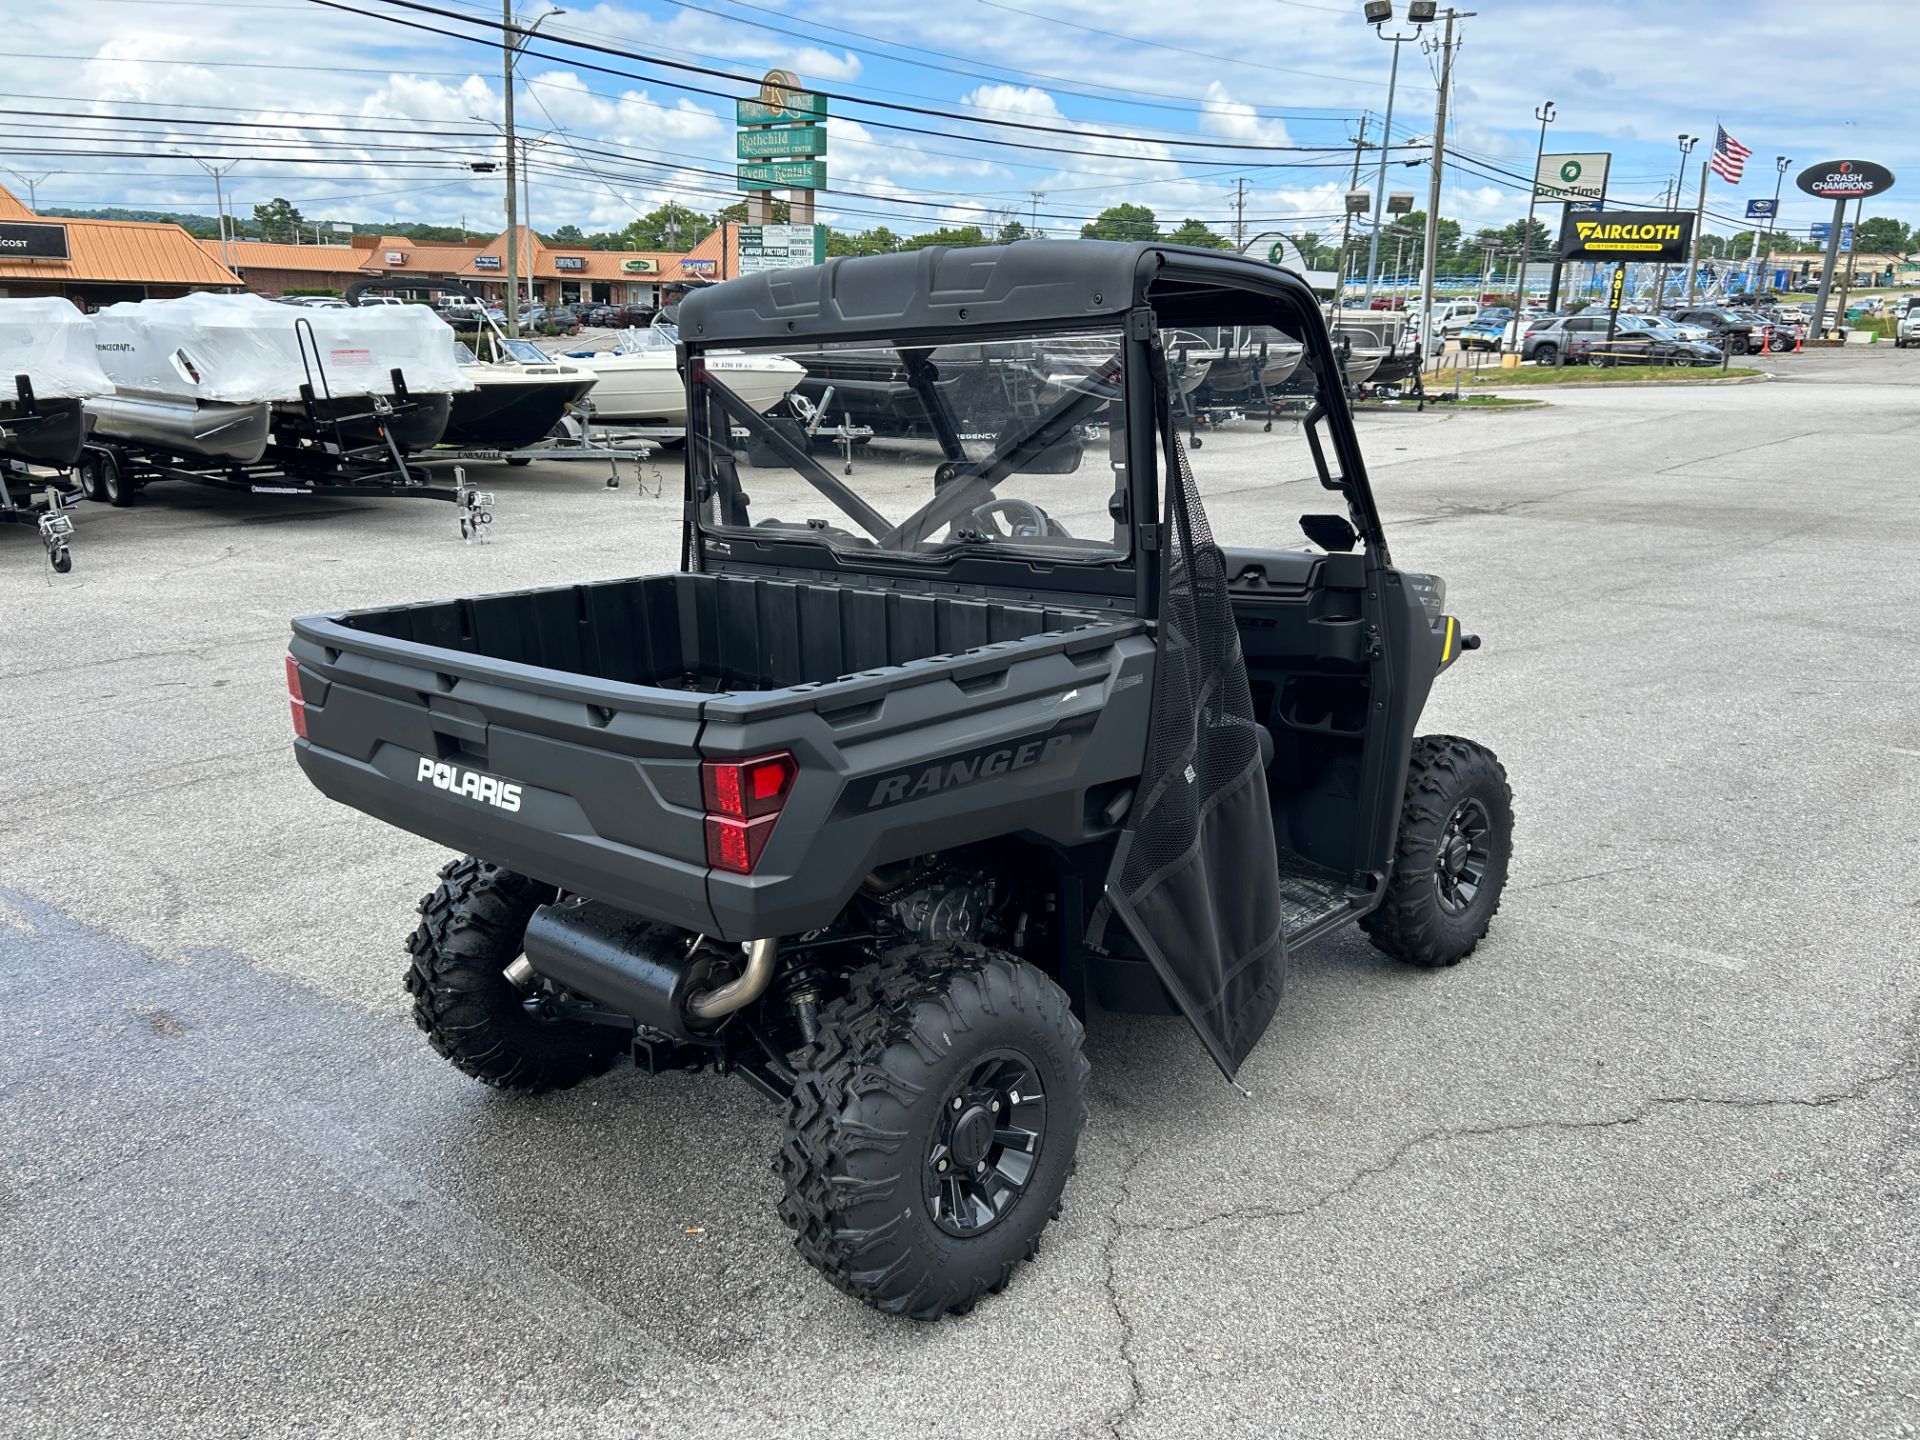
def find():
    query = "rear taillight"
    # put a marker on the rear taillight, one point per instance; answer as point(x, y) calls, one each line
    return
point(293, 698)
point(743, 799)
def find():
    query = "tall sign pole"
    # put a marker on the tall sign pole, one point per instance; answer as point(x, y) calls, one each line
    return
point(1840, 181)
point(1699, 233)
point(1544, 114)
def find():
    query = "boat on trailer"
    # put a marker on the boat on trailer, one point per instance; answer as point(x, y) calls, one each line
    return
point(238, 392)
point(48, 371)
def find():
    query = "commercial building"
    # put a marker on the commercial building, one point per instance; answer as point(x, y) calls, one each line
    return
point(100, 262)
point(560, 274)
point(1803, 267)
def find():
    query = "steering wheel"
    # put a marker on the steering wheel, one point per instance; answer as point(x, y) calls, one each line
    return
point(1009, 519)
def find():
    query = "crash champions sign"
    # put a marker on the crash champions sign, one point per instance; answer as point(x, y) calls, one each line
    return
point(1627, 235)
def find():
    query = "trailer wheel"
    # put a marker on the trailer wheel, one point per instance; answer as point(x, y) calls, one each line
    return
point(470, 931)
point(932, 1128)
point(88, 471)
point(518, 460)
point(115, 487)
point(1450, 861)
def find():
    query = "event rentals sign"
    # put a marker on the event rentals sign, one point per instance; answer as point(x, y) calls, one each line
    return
point(1627, 235)
point(784, 175)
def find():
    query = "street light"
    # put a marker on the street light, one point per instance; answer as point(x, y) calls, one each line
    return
point(218, 170)
point(1687, 142)
point(1379, 14)
point(1544, 114)
point(511, 44)
point(1781, 165)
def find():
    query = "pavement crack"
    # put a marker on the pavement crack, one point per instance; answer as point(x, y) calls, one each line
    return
point(1646, 1110)
point(1109, 1279)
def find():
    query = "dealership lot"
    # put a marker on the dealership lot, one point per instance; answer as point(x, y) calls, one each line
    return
point(1644, 1164)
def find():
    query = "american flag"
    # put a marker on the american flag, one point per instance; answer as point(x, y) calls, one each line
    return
point(1729, 156)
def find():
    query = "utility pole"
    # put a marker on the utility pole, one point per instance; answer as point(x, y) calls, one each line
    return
point(1699, 224)
point(1544, 114)
point(1437, 166)
point(1346, 221)
point(1033, 214)
point(33, 184)
point(1240, 214)
point(508, 46)
point(219, 204)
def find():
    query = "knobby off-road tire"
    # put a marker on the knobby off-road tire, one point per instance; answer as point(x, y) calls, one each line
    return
point(872, 1127)
point(470, 930)
point(1450, 861)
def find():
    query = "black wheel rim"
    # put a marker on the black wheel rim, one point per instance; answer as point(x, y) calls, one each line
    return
point(986, 1143)
point(1464, 852)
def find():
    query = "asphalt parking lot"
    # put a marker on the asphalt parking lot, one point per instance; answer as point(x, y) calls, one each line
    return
point(1646, 1164)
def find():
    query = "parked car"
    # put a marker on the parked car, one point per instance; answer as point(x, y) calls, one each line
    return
point(1582, 339)
point(367, 300)
point(1730, 333)
point(1908, 331)
point(1675, 344)
point(605, 317)
point(1486, 331)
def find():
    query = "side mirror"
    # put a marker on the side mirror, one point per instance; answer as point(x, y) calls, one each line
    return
point(1332, 533)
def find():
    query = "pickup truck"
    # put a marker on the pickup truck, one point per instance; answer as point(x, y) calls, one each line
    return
point(868, 801)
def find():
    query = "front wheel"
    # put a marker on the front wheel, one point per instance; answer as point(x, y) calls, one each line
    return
point(932, 1128)
point(470, 931)
point(1450, 861)
point(1547, 355)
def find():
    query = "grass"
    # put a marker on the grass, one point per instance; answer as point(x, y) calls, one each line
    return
point(1496, 379)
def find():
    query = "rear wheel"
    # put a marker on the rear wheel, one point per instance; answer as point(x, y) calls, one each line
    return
point(1450, 861)
point(932, 1128)
point(89, 475)
point(1547, 354)
point(114, 484)
point(470, 931)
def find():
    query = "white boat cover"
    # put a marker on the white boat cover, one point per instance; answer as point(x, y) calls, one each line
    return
point(50, 342)
point(244, 349)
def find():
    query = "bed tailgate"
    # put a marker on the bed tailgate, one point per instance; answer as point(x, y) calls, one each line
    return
point(588, 784)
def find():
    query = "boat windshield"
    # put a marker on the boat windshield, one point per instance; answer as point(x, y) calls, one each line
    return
point(463, 353)
point(525, 351)
point(647, 339)
point(1013, 445)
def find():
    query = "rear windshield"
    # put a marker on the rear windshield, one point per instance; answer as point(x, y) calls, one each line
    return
point(1008, 446)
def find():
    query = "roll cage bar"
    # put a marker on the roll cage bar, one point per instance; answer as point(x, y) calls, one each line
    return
point(1011, 292)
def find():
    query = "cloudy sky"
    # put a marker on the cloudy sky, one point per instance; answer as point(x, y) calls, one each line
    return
point(1085, 102)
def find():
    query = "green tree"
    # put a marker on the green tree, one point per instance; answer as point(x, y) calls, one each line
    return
point(278, 220)
point(1011, 231)
point(961, 235)
point(877, 241)
point(1122, 222)
point(1882, 235)
point(670, 227)
point(1195, 232)
point(568, 235)
point(1447, 239)
point(737, 213)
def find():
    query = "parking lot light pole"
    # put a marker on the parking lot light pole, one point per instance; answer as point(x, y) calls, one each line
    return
point(1781, 165)
point(1544, 114)
point(1379, 14)
point(1687, 142)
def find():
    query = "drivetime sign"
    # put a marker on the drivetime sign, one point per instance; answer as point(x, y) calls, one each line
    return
point(24, 241)
point(1572, 177)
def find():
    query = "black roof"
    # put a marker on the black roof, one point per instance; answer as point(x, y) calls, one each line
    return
point(938, 290)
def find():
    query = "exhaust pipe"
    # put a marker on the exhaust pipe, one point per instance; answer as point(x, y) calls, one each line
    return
point(638, 968)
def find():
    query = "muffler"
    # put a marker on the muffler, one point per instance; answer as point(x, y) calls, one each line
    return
point(659, 976)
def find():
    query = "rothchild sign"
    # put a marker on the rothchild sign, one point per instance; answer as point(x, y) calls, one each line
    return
point(1846, 180)
point(25, 241)
point(1627, 235)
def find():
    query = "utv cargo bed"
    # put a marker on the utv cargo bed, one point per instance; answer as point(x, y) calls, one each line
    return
point(561, 731)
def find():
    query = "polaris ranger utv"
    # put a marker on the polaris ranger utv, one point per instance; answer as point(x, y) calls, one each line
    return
point(868, 799)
